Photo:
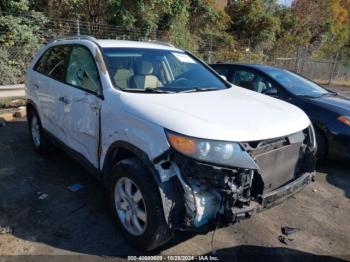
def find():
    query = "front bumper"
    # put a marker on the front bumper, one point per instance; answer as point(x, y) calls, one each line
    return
point(221, 194)
point(275, 197)
point(338, 136)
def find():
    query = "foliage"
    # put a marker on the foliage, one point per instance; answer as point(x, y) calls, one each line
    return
point(254, 30)
point(20, 34)
point(255, 21)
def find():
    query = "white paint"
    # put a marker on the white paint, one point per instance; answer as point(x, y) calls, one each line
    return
point(234, 114)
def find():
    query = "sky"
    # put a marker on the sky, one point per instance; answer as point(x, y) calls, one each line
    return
point(285, 2)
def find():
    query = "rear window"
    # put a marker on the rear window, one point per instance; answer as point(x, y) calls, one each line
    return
point(52, 63)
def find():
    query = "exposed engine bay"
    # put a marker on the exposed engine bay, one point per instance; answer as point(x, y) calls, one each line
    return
point(209, 192)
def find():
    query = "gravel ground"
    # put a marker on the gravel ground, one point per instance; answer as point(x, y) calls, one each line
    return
point(78, 225)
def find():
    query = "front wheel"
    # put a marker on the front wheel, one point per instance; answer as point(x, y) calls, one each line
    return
point(137, 206)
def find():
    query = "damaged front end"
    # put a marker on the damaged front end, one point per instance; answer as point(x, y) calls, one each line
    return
point(237, 180)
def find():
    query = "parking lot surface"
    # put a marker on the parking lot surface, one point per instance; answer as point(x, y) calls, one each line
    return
point(79, 223)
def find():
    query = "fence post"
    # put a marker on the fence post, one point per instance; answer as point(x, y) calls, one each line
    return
point(78, 27)
point(210, 49)
point(313, 70)
point(297, 61)
point(333, 68)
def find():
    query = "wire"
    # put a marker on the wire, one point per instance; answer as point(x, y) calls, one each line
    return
point(213, 250)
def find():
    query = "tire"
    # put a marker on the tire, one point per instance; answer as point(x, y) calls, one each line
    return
point(37, 136)
point(322, 146)
point(154, 229)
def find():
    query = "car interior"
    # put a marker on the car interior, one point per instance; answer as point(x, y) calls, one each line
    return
point(134, 72)
point(251, 81)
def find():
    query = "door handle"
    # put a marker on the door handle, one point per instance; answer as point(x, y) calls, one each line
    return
point(63, 99)
point(36, 86)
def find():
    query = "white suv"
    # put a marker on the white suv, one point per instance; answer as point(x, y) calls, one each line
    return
point(175, 145)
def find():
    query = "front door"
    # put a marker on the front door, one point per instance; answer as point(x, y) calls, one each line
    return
point(80, 104)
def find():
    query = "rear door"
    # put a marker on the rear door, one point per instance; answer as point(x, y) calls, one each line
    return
point(79, 104)
point(50, 71)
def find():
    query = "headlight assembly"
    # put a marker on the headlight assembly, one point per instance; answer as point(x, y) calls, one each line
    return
point(345, 120)
point(211, 151)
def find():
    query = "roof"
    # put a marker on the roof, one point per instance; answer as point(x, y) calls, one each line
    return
point(106, 43)
point(136, 44)
point(257, 66)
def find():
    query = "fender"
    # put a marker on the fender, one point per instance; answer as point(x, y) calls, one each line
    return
point(169, 191)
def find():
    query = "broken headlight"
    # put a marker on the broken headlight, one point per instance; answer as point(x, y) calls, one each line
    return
point(217, 152)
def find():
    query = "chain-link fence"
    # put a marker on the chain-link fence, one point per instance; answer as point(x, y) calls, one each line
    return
point(14, 57)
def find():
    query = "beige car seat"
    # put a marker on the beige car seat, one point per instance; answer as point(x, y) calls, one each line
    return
point(122, 77)
point(143, 77)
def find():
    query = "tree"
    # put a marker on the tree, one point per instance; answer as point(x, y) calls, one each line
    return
point(20, 33)
point(254, 21)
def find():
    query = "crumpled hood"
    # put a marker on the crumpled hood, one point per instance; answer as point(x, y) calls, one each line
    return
point(234, 114)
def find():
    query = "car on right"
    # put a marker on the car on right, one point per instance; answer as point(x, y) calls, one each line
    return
point(328, 110)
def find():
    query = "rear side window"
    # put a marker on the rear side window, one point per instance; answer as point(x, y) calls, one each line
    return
point(82, 71)
point(53, 62)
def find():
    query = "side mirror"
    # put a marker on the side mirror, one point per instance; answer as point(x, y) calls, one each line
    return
point(270, 91)
point(223, 77)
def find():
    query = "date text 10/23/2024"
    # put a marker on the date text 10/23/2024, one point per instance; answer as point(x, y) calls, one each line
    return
point(173, 258)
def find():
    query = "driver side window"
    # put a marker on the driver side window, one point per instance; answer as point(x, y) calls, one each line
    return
point(251, 80)
point(82, 71)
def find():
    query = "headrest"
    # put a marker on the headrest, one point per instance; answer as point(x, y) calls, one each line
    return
point(144, 68)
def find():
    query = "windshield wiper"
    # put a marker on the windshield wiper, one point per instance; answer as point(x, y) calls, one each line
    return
point(330, 93)
point(156, 90)
point(307, 96)
point(198, 89)
point(318, 96)
point(148, 90)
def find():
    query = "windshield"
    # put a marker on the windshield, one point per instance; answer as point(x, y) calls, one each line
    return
point(135, 69)
point(295, 84)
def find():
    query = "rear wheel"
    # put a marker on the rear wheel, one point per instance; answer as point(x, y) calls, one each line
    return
point(38, 138)
point(137, 206)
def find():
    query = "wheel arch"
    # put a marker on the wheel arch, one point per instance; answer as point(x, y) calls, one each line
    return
point(30, 106)
point(120, 150)
point(168, 191)
point(324, 132)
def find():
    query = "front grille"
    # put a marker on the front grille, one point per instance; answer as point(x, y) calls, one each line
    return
point(277, 159)
point(256, 148)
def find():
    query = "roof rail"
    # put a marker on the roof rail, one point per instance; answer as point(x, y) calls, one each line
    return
point(76, 37)
point(161, 43)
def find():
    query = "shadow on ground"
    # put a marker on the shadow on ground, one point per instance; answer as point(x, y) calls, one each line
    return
point(334, 168)
point(270, 254)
